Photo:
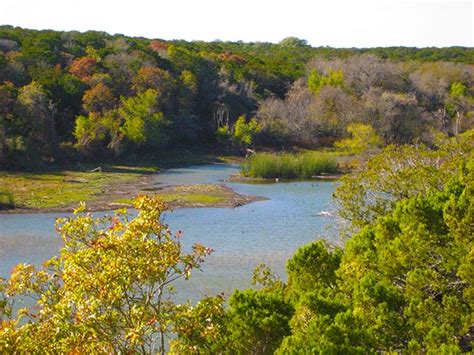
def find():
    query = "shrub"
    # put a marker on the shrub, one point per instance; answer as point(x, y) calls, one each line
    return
point(244, 133)
point(6, 199)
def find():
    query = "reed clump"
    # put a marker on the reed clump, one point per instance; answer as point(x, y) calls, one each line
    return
point(290, 165)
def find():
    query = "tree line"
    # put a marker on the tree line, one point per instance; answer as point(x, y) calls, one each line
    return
point(67, 96)
point(404, 102)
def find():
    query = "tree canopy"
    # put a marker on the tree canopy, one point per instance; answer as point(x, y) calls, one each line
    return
point(299, 95)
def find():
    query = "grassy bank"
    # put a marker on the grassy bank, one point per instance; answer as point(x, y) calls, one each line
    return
point(61, 188)
point(58, 188)
point(290, 165)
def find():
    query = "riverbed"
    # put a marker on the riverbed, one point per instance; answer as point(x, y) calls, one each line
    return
point(269, 231)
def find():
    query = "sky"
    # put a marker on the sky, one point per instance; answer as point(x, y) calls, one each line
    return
point(335, 23)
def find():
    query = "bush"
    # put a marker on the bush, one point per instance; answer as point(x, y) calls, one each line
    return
point(289, 166)
point(6, 199)
point(244, 133)
point(364, 138)
point(404, 282)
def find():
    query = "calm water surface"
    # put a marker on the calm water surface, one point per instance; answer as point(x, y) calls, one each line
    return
point(266, 231)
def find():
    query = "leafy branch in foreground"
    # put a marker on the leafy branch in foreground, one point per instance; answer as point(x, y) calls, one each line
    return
point(108, 291)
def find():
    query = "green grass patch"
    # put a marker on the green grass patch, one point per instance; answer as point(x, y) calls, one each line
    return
point(189, 195)
point(197, 194)
point(56, 189)
point(290, 166)
point(61, 187)
point(192, 198)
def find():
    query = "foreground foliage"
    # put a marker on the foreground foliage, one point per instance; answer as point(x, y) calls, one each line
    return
point(402, 284)
point(108, 291)
point(397, 173)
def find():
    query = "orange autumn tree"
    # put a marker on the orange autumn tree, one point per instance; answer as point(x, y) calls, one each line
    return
point(150, 77)
point(83, 68)
point(98, 99)
point(109, 290)
point(159, 47)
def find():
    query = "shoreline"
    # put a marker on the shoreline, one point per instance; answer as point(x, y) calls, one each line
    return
point(115, 186)
point(121, 194)
point(257, 180)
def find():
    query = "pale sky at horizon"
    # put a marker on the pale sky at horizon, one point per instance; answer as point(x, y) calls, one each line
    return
point(336, 23)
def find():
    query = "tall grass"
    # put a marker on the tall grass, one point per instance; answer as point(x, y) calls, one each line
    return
point(289, 166)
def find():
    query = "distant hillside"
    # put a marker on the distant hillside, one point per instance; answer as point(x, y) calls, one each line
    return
point(72, 95)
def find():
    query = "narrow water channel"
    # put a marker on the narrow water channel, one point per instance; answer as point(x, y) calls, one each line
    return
point(265, 231)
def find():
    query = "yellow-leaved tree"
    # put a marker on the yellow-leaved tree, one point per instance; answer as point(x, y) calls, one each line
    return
point(108, 291)
point(364, 138)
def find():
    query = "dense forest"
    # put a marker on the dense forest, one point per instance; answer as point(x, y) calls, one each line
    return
point(69, 96)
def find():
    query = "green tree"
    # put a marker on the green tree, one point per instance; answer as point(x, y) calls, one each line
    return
point(202, 328)
point(397, 173)
point(244, 133)
point(316, 80)
point(224, 135)
point(258, 321)
point(255, 321)
point(313, 267)
point(43, 46)
point(458, 90)
point(460, 104)
point(402, 284)
point(364, 138)
point(293, 42)
point(36, 112)
point(143, 123)
point(91, 132)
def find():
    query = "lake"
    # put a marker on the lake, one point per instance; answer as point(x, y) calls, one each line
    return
point(267, 231)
